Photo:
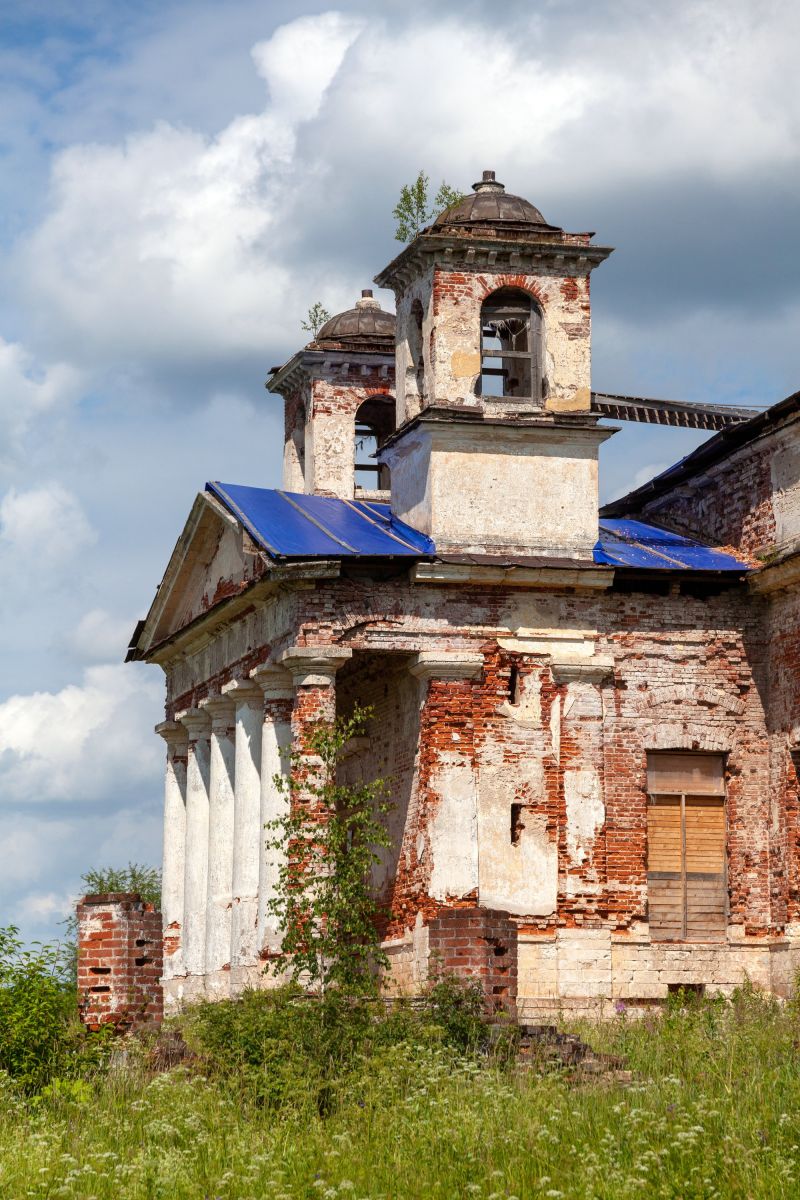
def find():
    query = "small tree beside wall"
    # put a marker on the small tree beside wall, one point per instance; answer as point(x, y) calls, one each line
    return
point(328, 843)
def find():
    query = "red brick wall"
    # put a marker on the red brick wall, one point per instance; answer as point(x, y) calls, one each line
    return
point(481, 945)
point(730, 505)
point(119, 961)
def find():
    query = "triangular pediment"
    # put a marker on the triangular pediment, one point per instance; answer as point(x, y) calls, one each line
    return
point(214, 559)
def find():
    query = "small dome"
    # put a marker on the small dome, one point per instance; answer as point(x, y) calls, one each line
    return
point(366, 322)
point(489, 203)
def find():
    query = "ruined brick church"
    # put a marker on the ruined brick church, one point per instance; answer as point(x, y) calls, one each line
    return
point(589, 719)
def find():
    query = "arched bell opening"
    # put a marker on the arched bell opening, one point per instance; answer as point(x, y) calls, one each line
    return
point(511, 346)
point(375, 422)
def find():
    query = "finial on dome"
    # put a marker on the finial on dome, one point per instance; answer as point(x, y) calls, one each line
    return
point(488, 183)
point(367, 300)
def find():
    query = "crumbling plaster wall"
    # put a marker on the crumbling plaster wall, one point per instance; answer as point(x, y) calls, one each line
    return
point(296, 406)
point(455, 366)
point(527, 490)
point(336, 396)
point(523, 789)
point(687, 673)
point(414, 345)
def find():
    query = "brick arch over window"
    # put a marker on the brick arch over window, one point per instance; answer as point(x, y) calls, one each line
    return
point(524, 283)
point(375, 420)
point(512, 346)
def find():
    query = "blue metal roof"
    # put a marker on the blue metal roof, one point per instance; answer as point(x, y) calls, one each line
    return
point(625, 543)
point(293, 525)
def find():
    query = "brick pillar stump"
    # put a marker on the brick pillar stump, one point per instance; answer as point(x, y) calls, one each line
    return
point(478, 944)
point(120, 961)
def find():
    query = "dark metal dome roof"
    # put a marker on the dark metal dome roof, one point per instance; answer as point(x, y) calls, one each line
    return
point(367, 321)
point(488, 203)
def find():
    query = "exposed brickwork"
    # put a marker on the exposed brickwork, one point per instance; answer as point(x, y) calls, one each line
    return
point(730, 506)
point(119, 961)
point(481, 945)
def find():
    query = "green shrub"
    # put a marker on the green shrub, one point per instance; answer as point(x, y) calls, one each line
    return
point(283, 1048)
point(40, 1035)
point(457, 1006)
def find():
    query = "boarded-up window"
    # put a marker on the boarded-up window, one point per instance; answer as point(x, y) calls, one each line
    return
point(686, 881)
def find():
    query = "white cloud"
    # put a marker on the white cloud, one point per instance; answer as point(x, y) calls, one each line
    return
point(29, 391)
point(43, 525)
point(102, 637)
point(166, 245)
point(301, 59)
point(84, 743)
point(176, 246)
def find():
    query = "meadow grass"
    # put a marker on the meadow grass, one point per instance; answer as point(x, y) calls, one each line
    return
point(713, 1111)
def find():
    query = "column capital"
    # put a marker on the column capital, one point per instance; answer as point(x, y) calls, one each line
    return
point(315, 665)
point(242, 691)
point(447, 664)
point(274, 681)
point(173, 733)
point(196, 723)
point(222, 711)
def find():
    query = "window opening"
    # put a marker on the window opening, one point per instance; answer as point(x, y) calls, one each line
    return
point(374, 423)
point(511, 331)
point(686, 858)
point(517, 823)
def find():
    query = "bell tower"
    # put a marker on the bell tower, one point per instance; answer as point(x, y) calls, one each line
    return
point(496, 445)
point(339, 405)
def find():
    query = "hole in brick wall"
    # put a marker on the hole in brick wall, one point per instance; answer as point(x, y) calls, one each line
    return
point(99, 970)
point(140, 942)
point(499, 990)
point(694, 989)
point(99, 989)
point(517, 824)
point(513, 684)
point(143, 961)
point(500, 951)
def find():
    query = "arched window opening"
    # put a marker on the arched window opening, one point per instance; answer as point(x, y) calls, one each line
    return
point(415, 342)
point(375, 421)
point(511, 346)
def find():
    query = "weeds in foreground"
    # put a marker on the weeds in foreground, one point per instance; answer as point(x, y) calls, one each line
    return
point(714, 1112)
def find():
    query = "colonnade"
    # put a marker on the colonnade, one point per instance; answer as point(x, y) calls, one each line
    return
point(220, 793)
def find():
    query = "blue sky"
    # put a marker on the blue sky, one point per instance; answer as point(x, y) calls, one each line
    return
point(179, 182)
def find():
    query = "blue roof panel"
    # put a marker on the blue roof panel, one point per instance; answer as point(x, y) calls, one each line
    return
point(627, 543)
point(293, 525)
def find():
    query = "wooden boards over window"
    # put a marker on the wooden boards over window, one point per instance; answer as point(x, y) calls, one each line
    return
point(686, 862)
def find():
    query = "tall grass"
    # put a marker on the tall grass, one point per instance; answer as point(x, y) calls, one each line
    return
point(713, 1111)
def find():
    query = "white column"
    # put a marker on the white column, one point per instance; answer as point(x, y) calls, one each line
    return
point(195, 884)
point(174, 847)
point(276, 743)
point(245, 966)
point(220, 844)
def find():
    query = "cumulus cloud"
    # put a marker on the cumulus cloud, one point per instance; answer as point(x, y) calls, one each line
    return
point(176, 245)
point(43, 525)
point(87, 742)
point(100, 636)
point(167, 245)
point(29, 391)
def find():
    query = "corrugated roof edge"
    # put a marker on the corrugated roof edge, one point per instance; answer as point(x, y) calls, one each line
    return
point(715, 449)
